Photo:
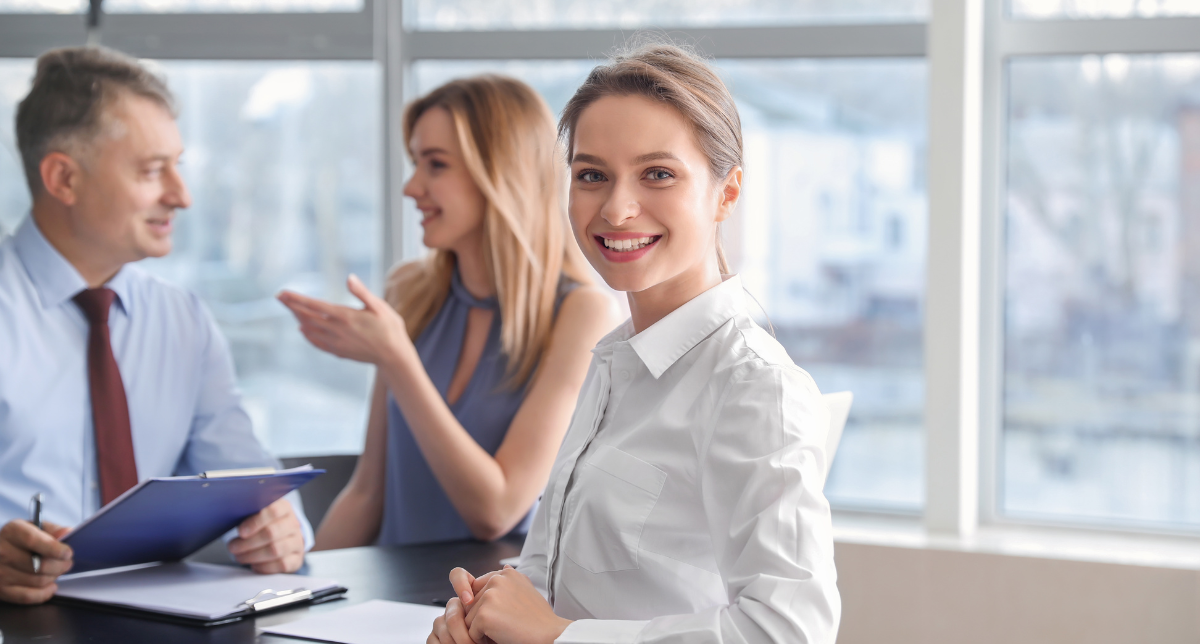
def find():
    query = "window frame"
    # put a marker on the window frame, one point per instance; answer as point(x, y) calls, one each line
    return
point(1009, 38)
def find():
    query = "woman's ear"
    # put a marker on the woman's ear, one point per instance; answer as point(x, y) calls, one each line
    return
point(730, 190)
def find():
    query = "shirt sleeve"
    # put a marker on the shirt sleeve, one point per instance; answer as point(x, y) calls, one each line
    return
point(222, 436)
point(761, 477)
point(534, 562)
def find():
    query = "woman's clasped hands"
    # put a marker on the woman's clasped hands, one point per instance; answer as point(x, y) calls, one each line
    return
point(501, 607)
point(375, 333)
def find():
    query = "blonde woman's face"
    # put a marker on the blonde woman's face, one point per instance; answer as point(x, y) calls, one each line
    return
point(451, 204)
point(644, 207)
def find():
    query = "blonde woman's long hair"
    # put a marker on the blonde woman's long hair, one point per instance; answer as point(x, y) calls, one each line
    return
point(509, 145)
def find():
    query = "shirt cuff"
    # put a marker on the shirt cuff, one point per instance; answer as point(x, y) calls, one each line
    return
point(601, 631)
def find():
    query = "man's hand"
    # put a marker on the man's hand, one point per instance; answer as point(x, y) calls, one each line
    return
point(19, 541)
point(271, 541)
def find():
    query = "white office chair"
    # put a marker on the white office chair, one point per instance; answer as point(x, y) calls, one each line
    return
point(839, 410)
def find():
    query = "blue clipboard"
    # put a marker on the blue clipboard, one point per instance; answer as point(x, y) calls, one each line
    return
point(166, 519)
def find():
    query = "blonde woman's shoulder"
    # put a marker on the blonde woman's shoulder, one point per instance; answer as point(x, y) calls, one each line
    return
point(588, 312)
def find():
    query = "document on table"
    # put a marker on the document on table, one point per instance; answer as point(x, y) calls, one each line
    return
point(204, 592)
point(373, 622)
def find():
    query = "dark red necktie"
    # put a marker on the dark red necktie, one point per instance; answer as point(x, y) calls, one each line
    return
point(110, 410)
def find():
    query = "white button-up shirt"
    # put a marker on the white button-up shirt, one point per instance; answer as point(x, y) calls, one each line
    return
point(685, 504)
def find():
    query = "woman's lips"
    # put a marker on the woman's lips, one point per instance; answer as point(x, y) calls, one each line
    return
point(159, 226)
point(629, 248)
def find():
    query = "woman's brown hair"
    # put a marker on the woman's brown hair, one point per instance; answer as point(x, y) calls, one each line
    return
point(669, 74)
point(508, 142)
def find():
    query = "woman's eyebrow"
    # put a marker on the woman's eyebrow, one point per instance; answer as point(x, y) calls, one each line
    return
point(587, 158)
point(654, 156)
point(430, 151)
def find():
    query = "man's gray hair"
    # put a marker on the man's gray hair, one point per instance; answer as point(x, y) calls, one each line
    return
point(70, 91)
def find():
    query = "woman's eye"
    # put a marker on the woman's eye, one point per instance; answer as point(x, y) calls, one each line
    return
point(590, 176)
point(658, 174)
point(437, 165)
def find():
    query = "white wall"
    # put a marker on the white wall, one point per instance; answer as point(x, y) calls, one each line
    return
point(903, 595)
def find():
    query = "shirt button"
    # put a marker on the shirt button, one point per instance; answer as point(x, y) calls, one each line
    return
point(624, 375)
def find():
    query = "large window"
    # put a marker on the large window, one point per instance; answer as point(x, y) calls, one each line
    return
point(1102, 336)
point(1097, 402)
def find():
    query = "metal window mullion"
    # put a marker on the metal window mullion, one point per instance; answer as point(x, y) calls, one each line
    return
point(992, 279)
point(952, 271)
point(1110, 35)
point(389, 51)
point(804, 41)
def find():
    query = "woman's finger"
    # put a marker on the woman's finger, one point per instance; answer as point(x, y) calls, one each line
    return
point(364, 294)
point(305, 313)
point(456, 623)
point(319, 307)
point(461, 581)
point(439, 629)
point(292, 297)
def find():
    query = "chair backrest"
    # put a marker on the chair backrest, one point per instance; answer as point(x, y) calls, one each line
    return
point(319, 494)
point(839, 410)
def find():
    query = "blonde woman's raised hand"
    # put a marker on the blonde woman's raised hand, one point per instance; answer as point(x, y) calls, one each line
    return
point(375, 333)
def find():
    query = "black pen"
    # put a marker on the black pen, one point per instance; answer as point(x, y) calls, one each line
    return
point(36, 520)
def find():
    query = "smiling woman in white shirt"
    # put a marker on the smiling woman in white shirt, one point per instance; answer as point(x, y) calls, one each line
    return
point(685, 503)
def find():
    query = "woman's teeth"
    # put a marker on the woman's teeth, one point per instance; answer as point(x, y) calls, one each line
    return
point(625, 245)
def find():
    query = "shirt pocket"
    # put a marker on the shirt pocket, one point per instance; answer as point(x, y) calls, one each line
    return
point(615, 492)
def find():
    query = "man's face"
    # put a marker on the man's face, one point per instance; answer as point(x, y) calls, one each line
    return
point(129, 185)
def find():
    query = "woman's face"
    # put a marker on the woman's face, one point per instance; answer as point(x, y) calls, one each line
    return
point(644, 206)
point(451, 205)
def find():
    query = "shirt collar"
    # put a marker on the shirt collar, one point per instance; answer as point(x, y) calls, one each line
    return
point(54, 278)
point(667, 340)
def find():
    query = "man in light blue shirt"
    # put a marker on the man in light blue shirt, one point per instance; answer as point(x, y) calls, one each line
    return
point(100, 147)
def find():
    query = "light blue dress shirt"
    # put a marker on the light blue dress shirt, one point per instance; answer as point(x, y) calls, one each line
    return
point(185, 412)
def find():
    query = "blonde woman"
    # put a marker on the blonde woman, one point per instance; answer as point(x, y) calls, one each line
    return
point(481, 348)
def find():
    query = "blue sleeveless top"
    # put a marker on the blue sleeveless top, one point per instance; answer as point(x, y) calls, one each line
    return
point(416, 508)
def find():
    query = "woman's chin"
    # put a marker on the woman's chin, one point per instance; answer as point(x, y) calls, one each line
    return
point(625, 281)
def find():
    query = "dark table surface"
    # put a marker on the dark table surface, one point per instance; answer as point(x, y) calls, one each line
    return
point(417, 574)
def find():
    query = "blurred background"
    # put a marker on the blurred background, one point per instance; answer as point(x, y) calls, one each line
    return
point(1090, 164)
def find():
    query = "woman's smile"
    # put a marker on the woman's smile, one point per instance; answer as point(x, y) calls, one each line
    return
point(625, 247)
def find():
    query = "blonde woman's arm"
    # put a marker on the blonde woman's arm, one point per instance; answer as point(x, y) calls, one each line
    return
point(355, 516)
point(492, 494)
